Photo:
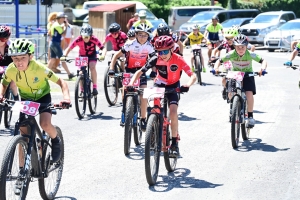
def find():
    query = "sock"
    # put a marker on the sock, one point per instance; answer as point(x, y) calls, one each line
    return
point(250, 114)
point(174, 140)
point(94, 86)
point(55, 140)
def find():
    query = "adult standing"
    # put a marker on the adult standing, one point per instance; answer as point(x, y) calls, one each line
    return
point(51, 20)
point(134, 19)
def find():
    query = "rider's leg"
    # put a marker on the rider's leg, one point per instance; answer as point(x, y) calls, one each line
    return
point(252, 48)
point(293, 55)
point(174, 119)
point(93, 70)
point(210, 47)
point(143, 84)
point(173, 102)
point(192, 62)
point(249, 87)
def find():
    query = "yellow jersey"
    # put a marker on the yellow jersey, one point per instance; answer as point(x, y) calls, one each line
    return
point(195, 39)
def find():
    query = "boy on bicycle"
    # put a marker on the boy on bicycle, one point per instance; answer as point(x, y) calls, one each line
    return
point(137, 52)
point(195, 37)
point(169, 69)
point(294, 53)
point(31, 77)
point(241, 60)
point(87, 43)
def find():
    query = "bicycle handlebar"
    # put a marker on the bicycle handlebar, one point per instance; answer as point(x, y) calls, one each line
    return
point(51, 106)
point(247, 74)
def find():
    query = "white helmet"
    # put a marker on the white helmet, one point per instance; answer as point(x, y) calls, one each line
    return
point(142, 13)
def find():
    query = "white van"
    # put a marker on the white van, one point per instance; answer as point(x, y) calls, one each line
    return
point(180, 15)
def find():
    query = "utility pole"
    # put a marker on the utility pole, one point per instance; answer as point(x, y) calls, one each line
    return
point(212, 2)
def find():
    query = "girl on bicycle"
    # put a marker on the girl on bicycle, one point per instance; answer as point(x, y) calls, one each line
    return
point(87, 43)
point(169, 67)
point(5, 60)
point(241, 60)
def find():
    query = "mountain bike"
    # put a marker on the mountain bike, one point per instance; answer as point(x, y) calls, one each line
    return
point(83, 87)
point(196, 48)
point(132, 111)
point(112, 84)
point(158, 136)
point(28, 156)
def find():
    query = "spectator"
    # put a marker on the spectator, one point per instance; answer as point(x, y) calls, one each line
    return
point(69, 35)
point(132, 20)
point(51, 19)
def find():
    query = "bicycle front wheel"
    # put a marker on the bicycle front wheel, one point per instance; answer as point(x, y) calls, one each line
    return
point(8, 113)
point(14, 158)
point(199, 69)
point(48, 186)
point(128, 124)
point(80, 101)
point(110, 88)
point(152, 153)
point(92, 99)
point(235, 122)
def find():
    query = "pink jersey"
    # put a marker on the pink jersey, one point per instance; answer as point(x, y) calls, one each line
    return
point(118, 42)
point(87, 49)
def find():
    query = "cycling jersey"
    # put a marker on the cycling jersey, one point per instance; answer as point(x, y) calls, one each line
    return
point(243, 63)
point(137, 53)
point(5, 60)
point(87, 49)
point(169, 72)
point(298, 46)
point(33, 83)
point(213, 31)
point(118, 42)
point(56, 32)
point(195, 39)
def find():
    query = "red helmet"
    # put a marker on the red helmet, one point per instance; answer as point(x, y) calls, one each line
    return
point(163, 43)
point(4, 31)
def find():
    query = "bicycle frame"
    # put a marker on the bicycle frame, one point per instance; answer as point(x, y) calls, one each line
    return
point(136, 103)
point(85, 72)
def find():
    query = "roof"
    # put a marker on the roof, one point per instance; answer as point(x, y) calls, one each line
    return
point(111, 7)
point(275, 12)
point(193, 7)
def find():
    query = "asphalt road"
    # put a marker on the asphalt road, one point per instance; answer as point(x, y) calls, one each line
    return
point(265, 167)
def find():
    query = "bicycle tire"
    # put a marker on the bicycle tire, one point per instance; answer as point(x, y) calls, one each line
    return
point(6, 164)
point(199, 69)
point(128, 124)
point(8, 113)
point(245, 130)
point(80, 113)
point(110, 83)
point(235, 124)
point(151, 144)
point(137, 131)
point(170, 163)
point(92, 99)
point(60, 164)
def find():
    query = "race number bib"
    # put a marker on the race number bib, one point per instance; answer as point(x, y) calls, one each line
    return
point(236, 75)
point(126, 80)
point(81, 61)
point(26, 107)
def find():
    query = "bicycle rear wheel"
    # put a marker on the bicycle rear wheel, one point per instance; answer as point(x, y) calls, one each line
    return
point(48, 186)
point(80, 101)
point(92, 99)
point(137, 131)
point(199, 68)
point(152, 153)
point(170, 163)
point(110, 88)
point(8, 113)
point(15, 153)
point(235, 122)
point(128, 124)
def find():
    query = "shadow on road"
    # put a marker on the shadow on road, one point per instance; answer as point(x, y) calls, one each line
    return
point(65, 198)
point(257, 144)
point(99, 116)
point(183, 117)
point(138, 154)
point(179, 179)
point(207, 84)
point(7, 132)
point(260, 122)
point(257, 111)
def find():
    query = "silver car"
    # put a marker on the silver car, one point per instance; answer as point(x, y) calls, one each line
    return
point(282, 37)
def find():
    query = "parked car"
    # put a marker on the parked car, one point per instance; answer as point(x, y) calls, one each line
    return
point(282, 37)
point(180, 15)
point(236, 22)
point(264, 23)
point(204, 18)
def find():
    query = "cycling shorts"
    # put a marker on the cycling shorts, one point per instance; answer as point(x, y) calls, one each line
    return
point(143, 78)
point(173, 98)
point(248, 84)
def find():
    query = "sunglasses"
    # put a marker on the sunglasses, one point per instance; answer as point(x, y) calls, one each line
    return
point(115, 33)
point(142, 36)
point(3, 39)
point(163, 52)
point(228, 38)
point(86, 37)
point(142, 17)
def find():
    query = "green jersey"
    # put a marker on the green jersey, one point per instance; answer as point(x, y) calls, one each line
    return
point(244, 63)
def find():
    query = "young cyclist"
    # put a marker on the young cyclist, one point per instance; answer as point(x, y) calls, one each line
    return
point(131, 34)
point(241, 60)
point(32, 78)
point(294, 53)
point(169, 69)
point(137, 52)
point(163, 29)
point(5, 60)
point(117, 39)
point(142, 20)
point(195, 37)
point(87, 43)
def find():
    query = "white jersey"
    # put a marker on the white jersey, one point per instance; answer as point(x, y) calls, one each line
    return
point(137, 53)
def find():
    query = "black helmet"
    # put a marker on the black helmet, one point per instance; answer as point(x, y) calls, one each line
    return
point(131, 33)
point(4, 32)
point(143, 28)
point(163, 29)
point(215, 18)
point(114, 27)
point(240, 40)
point(86, 30)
